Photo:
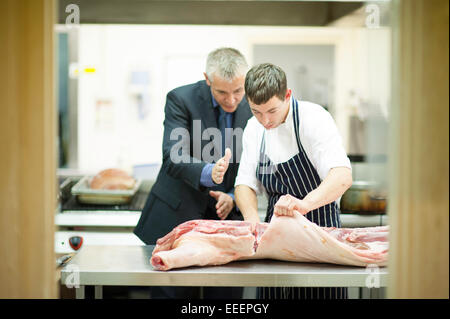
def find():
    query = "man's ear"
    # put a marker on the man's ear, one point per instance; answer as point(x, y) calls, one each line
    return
point(288, 94)
point(207, 79)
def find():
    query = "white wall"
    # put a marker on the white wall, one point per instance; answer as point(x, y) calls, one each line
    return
point(173, 56)
point(114, 134)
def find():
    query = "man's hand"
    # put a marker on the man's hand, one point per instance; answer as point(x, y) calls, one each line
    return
point(219, 170)
point(224, 204)
point(247, 203)
point(286, 205)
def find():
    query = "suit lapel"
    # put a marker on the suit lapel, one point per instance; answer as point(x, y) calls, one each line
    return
point(242, 114)
point(208, 116)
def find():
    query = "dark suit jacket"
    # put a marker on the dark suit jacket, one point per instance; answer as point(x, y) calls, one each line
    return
point(177, 195)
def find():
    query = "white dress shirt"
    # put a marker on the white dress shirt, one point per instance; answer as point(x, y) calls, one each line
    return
point(319, 137)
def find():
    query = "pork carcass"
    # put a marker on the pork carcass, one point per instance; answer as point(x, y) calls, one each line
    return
point(298, 239)
point(112, 178)
point(208, 242)
point(203, 242)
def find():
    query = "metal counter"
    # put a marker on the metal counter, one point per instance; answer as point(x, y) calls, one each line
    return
point(130, 266)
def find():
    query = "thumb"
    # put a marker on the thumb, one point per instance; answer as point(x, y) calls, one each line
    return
point(214, 194)
point(227, 156)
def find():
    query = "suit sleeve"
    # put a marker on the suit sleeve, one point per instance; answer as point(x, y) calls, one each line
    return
point(176, 144)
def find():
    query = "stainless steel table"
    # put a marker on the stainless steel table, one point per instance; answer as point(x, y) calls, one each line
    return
point(130, 266)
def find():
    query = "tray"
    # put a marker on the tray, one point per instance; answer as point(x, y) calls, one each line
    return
point(87, 195)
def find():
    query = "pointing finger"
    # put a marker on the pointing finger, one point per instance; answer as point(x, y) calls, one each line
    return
point(219, 205)
point(214, 194)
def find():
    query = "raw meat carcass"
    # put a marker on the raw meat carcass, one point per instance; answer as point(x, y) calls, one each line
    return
point(298, 239)
point(112, 178)
point(208, 242)
point(203, 242)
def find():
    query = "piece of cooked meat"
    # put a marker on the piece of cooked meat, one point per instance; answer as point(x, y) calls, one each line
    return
point(112, 178)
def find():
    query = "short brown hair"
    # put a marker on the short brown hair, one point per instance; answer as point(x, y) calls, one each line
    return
point(265, 81)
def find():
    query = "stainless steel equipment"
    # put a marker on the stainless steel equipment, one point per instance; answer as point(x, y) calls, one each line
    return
point(364, 198)
point(87, 195)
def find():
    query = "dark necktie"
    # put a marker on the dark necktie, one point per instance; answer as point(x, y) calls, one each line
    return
point(225, 121)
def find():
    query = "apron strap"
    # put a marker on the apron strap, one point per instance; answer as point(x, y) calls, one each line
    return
point(296, 119)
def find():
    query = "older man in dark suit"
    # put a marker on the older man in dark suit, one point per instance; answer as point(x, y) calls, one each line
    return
point(202, 142)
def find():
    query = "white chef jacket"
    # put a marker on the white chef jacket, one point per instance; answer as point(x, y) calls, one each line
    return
point(319, 137)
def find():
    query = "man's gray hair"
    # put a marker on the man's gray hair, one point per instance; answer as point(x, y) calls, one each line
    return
point(226, 63)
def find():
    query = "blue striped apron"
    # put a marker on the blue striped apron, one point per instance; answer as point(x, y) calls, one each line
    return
point(296, 177)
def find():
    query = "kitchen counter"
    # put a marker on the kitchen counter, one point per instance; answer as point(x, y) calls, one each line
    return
point(130, 218)
point(130, 266)
point(118, 217)
point(97, 218)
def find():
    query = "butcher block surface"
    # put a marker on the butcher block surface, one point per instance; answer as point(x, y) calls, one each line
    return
point(129, 266)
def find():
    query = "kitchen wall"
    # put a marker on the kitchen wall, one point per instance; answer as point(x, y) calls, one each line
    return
point(125, 71)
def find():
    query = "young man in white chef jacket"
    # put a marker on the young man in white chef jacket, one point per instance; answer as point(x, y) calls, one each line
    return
point(292, 150)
